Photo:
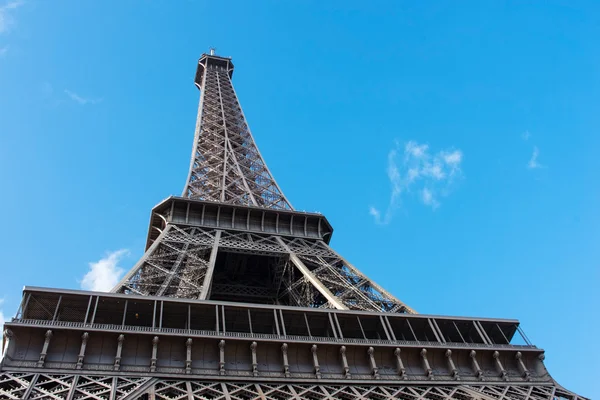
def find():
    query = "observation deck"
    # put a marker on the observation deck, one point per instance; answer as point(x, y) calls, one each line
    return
point(59, 330)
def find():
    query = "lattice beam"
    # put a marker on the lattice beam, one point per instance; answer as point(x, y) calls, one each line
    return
point(104, 387)
point(226, 165)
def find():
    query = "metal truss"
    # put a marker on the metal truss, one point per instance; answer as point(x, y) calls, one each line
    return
point(103, 387)
point(226, 165)
point(181, 263)
point(47, 386)
point(164, 389)
point(174, 266)
point(347, 284)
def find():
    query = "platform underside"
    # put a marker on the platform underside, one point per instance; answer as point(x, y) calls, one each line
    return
point(31, 385)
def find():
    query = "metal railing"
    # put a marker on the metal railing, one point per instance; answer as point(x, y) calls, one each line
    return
point(255, 336)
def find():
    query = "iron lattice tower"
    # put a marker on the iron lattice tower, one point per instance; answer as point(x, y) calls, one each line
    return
point(239, 296)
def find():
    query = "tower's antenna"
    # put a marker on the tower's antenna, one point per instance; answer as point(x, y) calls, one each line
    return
point(212, 51)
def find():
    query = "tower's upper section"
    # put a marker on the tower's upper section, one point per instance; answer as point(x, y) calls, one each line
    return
point(226, 166)
point(211, 60)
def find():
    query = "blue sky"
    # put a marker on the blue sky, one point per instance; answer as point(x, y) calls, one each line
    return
point(453, 146)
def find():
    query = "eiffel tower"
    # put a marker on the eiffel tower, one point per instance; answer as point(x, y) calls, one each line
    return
point(240, 296)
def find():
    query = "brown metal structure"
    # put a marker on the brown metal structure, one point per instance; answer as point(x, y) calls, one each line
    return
point(239, 296)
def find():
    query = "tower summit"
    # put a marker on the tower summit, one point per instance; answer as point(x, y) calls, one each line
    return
point(239, 296)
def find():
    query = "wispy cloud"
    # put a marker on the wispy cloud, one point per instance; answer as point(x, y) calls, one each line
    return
point(7, 21)
point(428, 199)
point(375, 213)
point(105, 273)
point(413, 167)
point(533, 161)
point(80, 99)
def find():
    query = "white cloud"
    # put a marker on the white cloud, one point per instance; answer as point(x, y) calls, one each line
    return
point(105, 273)
point(80, 99)
point(434, 171)
point(533, 161)
point(428, 199)
point(452, 158)
point(413, 149)
point(394, 174)
point(6, 19)
point(431, 175)
point(413, 173)
point(375, 213)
